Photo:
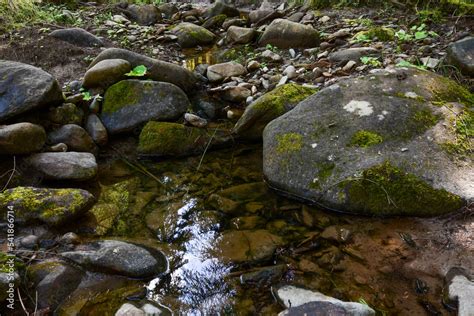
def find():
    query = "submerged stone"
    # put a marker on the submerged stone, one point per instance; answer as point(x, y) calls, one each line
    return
point(247, 246)
point(118, 257)
point(355, 149)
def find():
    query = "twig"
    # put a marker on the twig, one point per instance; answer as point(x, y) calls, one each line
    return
point(21, 302)
point(205, 150)
point(11, 175)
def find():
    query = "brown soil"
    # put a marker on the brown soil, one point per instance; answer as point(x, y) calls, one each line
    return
point(64, 61)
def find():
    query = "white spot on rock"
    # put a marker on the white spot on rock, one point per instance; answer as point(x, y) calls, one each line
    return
point(361, 108)
point(314, 145)
point(411, 95)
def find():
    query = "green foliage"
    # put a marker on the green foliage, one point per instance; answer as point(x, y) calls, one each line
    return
point(372, 61)
point(16, 13)
point(405, 63)
point(138, 71)
point(416, 32)
point(86, 96)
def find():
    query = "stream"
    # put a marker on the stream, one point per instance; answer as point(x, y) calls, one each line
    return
point(231, 241)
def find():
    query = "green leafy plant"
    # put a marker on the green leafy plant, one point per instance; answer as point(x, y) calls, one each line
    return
point(405, 63)
point(416, 32)
point(362, 38)
point(138, 71)
point(86, 96)
point(372, 61)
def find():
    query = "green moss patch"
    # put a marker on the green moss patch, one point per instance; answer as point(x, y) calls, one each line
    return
point(420, 120)
point(50, 206)
point(171, 139)
point(365, 139)
point(446, 90)
point(324, 171)
point(120, 95)
point(463, 129)
point(283, 98)
point(381, 33)
point(290, 142)
point(387, 190)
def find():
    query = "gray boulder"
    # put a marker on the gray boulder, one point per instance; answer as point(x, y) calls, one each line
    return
point(118, 257)
point(352, 54)
point(64, 165)
point(461, 289)
point(106, 72)
point(221, 8)
point(286, 34)
point(156, 69)
point(301, 301)
point(130, 103)
point(390, 143)
point(54, 281)
point(51, 206)
point(219, 72)
point(77, 36)
point(240, 35)
point(192, 35)
point(24, 87)
point(168, 9)
point(21, 138)
point(75, 137)
point(96, 130)
point(461, 54)
point(146, 14)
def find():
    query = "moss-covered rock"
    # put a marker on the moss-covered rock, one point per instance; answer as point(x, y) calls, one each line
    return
point(130, 103)
point(387, 190)
point(172, 139)
point(268, 107)
point(214, 22)
point(192, 35)
point(51, 206)
point(381, 33)
point(396, 142)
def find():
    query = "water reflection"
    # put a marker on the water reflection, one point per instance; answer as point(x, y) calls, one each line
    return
point(196, 57)
point(197, 278)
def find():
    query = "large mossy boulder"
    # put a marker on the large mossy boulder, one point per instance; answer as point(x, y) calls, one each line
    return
point(192, 35)
point(156, 69)
point(24, 87)
point(268, 107)
point(160, 139)
point(286, 34)
point(130, 103)
point(51, 206)
point(395, 142)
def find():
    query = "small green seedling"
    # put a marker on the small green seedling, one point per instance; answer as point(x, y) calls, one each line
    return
point(86, 96)
point(372, 61)
point(405, 63)
point(138, 71)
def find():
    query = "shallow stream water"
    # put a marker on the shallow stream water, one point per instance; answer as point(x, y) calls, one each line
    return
point(231, 242)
